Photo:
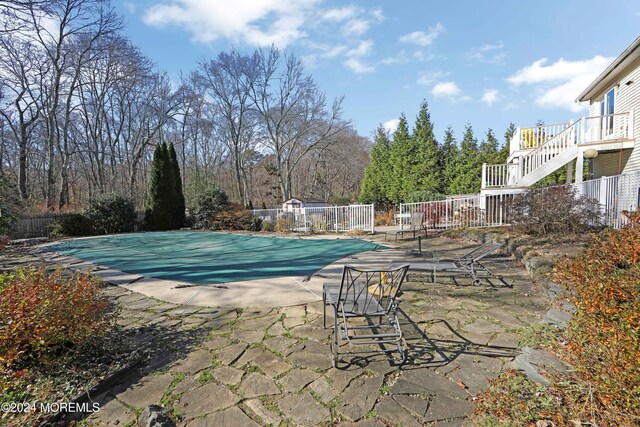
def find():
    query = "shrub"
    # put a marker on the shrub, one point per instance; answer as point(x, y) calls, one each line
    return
point(255, 223)
point(340, 200)
point(9, 203)
point(556, 210)
point(268, 226)
point(207, 205)
point(384, 218)
point(235, 218)
point(284, 224)
point(41, 313)
point(112, 214)
point(604, 334)
point(72, 224)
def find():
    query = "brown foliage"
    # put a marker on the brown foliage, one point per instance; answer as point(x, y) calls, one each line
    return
point(554, 210)
point(384, 218)
point(604, 337)
point(42, 313)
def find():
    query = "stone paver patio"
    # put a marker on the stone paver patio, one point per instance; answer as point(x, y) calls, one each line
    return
point(271, 366)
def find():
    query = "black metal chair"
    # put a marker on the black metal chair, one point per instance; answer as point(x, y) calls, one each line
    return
point(468, 264)
point(415, 226)
point(361, 297)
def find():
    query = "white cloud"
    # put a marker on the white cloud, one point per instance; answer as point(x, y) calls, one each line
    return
point(400, 58)
point(403, 57)
point(559, 83)
point(354, 60)
point(339, 14)
point(450, 91)
point(131, 7)
point(429, 77)
point(490, 96)
point(422, 38)
point(488, 53)
point(446, 89)
point(391, 125)
point(278, 22)
point(334, 51)
point(421, 56)
point(358, 66)
point(256, 23)
point(309, 61)
point(364, 48)
point(356, 27)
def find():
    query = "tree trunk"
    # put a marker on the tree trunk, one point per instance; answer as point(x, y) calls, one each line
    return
point(22, 167)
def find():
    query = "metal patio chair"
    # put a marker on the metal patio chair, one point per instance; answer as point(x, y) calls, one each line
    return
point(358, 301)
point(468, 264)
point(415, 225)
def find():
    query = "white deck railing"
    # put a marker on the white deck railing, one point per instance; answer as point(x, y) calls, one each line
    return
point(536, 136)
point(614, 194)
point(543, 143)
point(324, 219)
point(589, 129)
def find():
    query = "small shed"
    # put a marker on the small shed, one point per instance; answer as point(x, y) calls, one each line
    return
point(298, 203)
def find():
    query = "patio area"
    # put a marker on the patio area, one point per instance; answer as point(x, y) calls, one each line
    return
point(272, 367)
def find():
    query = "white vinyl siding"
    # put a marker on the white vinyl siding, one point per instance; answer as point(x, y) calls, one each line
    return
point(607, 164)
point(628, 99)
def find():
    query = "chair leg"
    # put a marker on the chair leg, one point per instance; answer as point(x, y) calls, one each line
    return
point(324, 310)
point(334, 344)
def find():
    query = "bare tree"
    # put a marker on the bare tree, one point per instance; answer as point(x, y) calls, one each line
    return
point(230, 79)
point(22, 68)
point(293, 111)
point(57, 30)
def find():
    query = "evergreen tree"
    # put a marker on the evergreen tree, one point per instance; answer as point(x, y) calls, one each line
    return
point(402, 157)
point(178, 194)
point(468, 167)
point(424, 170)
point(160, 204)
point(447, 158)
point(504, 150)
point(374, 185)
point(489, 153)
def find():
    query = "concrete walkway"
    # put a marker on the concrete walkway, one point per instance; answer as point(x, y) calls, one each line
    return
point(271, 366)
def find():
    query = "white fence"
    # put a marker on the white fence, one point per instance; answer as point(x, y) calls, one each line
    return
point(326, 219)
point(615, 194)
point(471, 211)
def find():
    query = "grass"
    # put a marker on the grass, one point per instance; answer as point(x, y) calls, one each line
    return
point(205, 376)
point(514, 400)
point(538, 335)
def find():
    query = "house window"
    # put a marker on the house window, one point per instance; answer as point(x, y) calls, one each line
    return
point(607, 109)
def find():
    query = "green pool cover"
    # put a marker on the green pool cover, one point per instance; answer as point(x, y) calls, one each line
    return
point(209, 258)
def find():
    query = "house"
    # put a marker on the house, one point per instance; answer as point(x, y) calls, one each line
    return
point(295, 203)
point(608, 139)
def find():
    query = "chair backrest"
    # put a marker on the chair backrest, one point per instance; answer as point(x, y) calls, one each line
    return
point(363, 291)
point(416, 219)
point(478, 253)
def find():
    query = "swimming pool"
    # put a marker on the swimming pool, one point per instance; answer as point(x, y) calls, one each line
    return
point(211, 258)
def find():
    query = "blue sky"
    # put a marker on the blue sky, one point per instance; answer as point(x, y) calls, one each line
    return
point(487, 63)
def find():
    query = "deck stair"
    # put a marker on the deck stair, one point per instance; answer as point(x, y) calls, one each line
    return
point(538, 152)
